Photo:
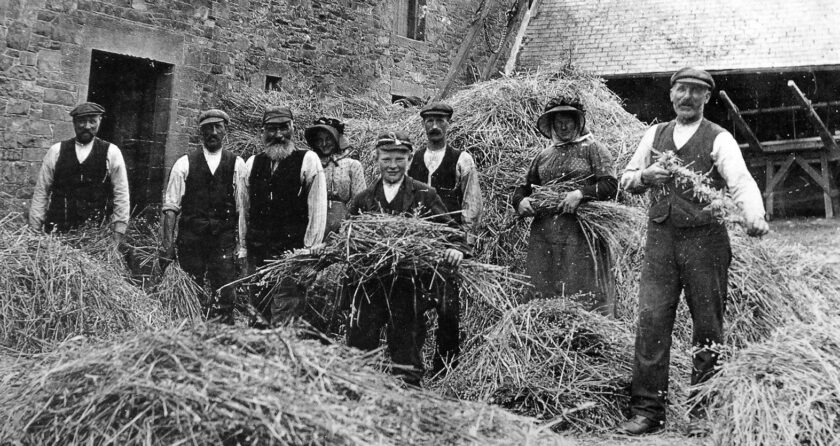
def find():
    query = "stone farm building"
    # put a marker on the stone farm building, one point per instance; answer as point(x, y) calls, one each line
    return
point(155, 63)
point(752, 47)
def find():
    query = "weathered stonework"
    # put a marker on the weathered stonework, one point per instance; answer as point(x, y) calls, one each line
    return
point(328, 46)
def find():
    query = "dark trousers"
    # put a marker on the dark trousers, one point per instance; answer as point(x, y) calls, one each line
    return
point(277, 302)
point(448, 307)
point(212, 259)
point(394, 302)
point(696, 262)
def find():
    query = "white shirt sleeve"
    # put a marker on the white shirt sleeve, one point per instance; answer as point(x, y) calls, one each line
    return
point(312, 176)
point(240, 188)
point(472, 201)
point(41, 194)
point(631, 179)
point(731, 166)
point(119, 183)
point(176, 186)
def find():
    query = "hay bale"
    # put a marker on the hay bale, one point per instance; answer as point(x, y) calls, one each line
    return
point(783, 391)
point(219, 385)
point(552, 360)
point(51, 292)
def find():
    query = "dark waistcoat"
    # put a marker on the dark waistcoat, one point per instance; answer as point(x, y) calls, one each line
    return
point(677, 202)
point(444, 179)
point(279, 212)
point(208, 208)
point(80, 191)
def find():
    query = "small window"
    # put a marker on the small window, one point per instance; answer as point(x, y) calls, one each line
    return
point(411, 19)
point(272, 83)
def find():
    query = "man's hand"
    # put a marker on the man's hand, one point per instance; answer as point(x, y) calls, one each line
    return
point(453, 257)
point(524, 208)
point(317, 249)
point(118, 237)
point(757, 226)
point(571, 201)
point(166, 255)
point(656, 175)
point(241, 266)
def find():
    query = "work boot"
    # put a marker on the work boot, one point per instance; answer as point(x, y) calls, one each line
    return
point(639, 425)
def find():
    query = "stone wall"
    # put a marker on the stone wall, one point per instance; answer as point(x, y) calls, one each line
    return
point(345, 47)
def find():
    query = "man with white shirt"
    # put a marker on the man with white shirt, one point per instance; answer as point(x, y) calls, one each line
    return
point(397, 301)
point(453, 176)
point(207, 188)
point(287, 209)
point(81, 180)
point(687, 249)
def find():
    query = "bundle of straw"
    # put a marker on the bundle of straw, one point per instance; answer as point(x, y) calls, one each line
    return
point(217, 385)
point(785, 390)
point(552, 360)
point(51, 291)
point(179, 295)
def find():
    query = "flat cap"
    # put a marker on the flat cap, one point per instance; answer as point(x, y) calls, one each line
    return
point(394, 141)
point(695, 76)
point(436, 108)
point(87, 108)
point(277, 115)
point(211, 116)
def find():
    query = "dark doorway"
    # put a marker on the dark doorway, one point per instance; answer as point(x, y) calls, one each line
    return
point(136, 94)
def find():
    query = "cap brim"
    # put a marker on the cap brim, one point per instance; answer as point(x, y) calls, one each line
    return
point(392, 148)
point(435, 113)
point(210, 120)
point(277, 120)
point(693, 81)
point(91, 113)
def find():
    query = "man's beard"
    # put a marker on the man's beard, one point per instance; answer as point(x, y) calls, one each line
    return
point(279, 150)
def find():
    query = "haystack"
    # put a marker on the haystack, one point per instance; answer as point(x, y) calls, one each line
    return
point(219, 385)
point(51, 292)
point(782, 391)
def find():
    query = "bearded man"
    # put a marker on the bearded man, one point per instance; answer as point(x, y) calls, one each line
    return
point(287, 209)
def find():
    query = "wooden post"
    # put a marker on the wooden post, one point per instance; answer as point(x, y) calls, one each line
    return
point(740, 124)
point(825, 135)
point(463, 51)
point(515, 16)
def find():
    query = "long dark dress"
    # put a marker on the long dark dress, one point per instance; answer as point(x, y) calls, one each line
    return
point(560, 261)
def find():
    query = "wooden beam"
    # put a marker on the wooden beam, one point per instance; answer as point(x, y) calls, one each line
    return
point(786, 108)
point(735, 116)
point(515, 14)
point(510, 66)
point(825, 135)
point(820, 178)
point(464, 50)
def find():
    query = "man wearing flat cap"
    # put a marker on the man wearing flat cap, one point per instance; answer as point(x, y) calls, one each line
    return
point(83, 179)
point(287, 209)
point(687, 248)
point(453, 176)
point(207, 188)
point(397, 301)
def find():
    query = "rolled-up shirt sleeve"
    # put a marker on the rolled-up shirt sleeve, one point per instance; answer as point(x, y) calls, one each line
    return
point(176, 185)
point(312, 176)
point(731, 166)
point(631, 179)
point(119, 183)
point(473, 203)
point(41, 194)
point(240, 187)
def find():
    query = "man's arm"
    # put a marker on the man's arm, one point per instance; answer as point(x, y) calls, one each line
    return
point(41, 194)
point(119, 183)
point(172, 199)
point(730, 163)
point(357, 178)
point(631, 179)
point(472, 201)
point(312, 176)
point(241, 173)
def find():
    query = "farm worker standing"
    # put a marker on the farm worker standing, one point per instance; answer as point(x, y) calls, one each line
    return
point(560, 261)
point(398, 301)
point(453, 176)
point(687, 249)
point(344, 176)
point(287, 209)
point(207, 188)
point(83, 179)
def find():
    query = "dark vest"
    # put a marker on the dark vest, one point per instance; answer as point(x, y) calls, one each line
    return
point(279, 212)
point(677, 202)
point(444, 180)
point(208, 208)
point(80, 191)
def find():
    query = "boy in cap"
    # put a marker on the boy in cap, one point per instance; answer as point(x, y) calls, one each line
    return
point(397, 301)
point(687, 249)
point(453, 176)
point(207, 188)
point(81, 179)
point(287, 208)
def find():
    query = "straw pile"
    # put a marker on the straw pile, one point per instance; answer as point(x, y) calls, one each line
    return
point(51, 292)
point(179, 295)
point(218, 385)
point(783, 391)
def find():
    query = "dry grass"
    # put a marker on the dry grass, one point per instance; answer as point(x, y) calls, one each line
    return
point(218, 385)
point(179, 295)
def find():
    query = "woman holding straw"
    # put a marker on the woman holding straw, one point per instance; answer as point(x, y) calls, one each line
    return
point(560, 260)
point(344, 175)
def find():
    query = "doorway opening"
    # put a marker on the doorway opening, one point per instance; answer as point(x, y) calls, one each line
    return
point(137, 96)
